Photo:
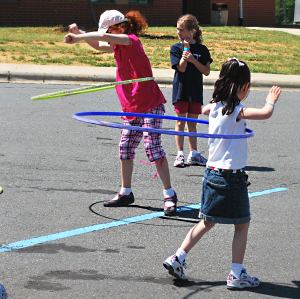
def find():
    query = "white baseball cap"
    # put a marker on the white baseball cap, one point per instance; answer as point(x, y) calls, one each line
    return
point(110, 18)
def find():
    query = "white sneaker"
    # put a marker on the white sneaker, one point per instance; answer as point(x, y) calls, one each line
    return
point(197, 159)
point(244, 281)
point(179, 161)
point(174, 267)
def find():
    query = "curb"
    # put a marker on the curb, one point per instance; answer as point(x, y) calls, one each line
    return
point(90, 75)
point(44, 77)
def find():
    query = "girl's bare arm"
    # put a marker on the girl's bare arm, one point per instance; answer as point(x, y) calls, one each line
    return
point(206, 109)
point(266, 111)
point(102, 46)
point(181, 67)
point(187, 56)
point(106, 40)
point(204, 69)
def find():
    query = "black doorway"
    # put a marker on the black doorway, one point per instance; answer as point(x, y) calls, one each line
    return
point(201, 9)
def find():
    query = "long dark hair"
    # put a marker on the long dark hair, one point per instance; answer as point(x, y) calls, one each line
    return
point(136, 22)
point(233, 76)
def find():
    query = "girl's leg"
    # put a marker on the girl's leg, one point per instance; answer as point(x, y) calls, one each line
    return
point(154, 150)
point(179, 126)
point(126, 173)
point(239, 242)
point(125, 196)
point(192, 127)
point(238, 278)
point(194, 157)
point(195, 234)
point(181, 109)
point(179, 140)
point(163, 172)
point(128, 143)
point(155, 153)
point(175, 264)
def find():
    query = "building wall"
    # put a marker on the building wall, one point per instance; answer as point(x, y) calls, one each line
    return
point(260, 13)
point(41, 12)
point(255, 12)
point(63, 12)
point(159, 12)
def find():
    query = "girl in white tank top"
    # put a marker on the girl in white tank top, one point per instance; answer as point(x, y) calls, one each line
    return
point(224, 194)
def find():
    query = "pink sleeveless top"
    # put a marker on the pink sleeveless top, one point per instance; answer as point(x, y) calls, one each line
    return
point(132, 63)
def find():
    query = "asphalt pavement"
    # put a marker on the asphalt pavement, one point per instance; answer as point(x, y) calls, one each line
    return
point(89, 74)
point(57, 241)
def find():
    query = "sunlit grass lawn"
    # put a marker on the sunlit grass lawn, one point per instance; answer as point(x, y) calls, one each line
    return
point(264, 51)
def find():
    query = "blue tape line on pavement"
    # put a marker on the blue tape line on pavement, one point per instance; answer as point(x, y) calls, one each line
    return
point(79, 231)
point(266, 192)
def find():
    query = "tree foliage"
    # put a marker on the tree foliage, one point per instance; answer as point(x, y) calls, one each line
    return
point(285, 11)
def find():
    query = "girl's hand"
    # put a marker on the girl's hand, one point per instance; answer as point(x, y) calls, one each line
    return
point(188, 56)
point(71, 38)
point(73, 28)
point(273, 95)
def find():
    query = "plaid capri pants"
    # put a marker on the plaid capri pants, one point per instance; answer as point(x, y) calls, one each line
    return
point(152, 141)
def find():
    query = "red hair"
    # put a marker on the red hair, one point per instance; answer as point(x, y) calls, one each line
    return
point(137, 23)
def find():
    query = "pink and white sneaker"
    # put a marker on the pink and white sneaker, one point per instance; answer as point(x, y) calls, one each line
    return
point(244, 281)
point(175, 268)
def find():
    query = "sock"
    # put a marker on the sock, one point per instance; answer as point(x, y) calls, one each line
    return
point(236, 269)
point(181, 254)
point(168, 192)
point(180, 153)
point(125, 191)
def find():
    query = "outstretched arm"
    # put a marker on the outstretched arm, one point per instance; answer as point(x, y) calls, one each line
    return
point(92, 37)
point(266, 111)
point(102, 46)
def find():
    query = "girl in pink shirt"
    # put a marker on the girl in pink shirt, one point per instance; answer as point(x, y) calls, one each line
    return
point(118, 34)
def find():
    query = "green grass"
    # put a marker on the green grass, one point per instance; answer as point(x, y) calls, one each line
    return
point(264, 51)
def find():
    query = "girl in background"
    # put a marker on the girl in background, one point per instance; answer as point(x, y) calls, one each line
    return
point(190, 59)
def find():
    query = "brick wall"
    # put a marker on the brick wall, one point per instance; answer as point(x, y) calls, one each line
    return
point(255, 12)
point(41, 12)
point(159, 12)
point(56, 12)
point(259, 13)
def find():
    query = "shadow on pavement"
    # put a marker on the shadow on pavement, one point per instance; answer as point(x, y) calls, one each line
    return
point(259, 168)
point(277, 290)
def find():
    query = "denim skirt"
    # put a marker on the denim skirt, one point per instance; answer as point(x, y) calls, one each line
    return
point(225, 197)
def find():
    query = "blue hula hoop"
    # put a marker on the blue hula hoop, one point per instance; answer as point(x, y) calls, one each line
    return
point(81, 116)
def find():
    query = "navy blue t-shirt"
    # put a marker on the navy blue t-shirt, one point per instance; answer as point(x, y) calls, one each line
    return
point(188, 86)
